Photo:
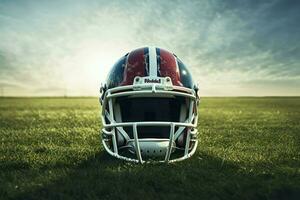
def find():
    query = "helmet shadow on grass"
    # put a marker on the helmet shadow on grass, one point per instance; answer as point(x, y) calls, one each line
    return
point(201, 177)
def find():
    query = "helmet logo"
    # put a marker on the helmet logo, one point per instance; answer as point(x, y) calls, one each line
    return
point(147, 80)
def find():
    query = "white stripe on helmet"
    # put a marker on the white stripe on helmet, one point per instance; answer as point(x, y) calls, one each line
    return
point(152, 62)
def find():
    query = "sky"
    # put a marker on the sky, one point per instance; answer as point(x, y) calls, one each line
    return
point(232, 48)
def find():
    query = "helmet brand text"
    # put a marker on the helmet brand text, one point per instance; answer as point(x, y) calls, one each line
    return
point(152, 80)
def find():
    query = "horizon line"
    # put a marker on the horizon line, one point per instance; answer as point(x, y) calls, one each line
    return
point(206, 96)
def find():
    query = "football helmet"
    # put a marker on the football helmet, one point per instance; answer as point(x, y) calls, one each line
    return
point(149, 108)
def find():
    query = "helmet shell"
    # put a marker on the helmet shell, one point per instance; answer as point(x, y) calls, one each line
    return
point(136, 63)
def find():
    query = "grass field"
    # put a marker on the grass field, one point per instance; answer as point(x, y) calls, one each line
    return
point(249, 149)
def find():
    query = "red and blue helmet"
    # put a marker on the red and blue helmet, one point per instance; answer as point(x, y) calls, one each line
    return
point(149, 107)
point(136, 63)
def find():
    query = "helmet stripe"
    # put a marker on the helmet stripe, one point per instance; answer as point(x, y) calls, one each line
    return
point(158, 61)
point(135, 66)
point(146, 61)
point(169, 67)
point(152, 62)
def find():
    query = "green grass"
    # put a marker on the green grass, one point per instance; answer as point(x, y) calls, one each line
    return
point(249, 148)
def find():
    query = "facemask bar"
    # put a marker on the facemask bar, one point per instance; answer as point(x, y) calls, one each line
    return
point(146, 89)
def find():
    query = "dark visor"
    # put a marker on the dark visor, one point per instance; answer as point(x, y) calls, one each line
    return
point(150, 109)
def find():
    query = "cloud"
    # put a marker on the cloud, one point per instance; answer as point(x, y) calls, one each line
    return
point(228, 45)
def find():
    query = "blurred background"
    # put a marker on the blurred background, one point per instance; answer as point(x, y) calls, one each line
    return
point(66, 48)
